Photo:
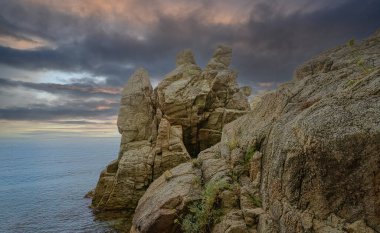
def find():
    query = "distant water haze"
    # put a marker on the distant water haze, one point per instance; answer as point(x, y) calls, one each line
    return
point(43, 182)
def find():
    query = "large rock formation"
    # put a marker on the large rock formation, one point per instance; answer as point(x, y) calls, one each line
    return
point(163, 128)
point(305, 159)
point(202, 102)
point(125, 179)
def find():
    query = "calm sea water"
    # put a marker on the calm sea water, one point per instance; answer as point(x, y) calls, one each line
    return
point(42, 183)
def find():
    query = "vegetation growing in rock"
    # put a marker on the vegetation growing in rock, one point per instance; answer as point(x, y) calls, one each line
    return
point(233, 143)
point(255, 200)
point(366, 66)
point(249, 153)
point(205, 212)
point(294, 153)
point(196, 163)
point(197, 182)
point(235, 176)
point(173, 116)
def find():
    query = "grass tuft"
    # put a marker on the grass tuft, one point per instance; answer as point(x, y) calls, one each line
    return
point(249, 154)
point(205, 212)
point(255, 200)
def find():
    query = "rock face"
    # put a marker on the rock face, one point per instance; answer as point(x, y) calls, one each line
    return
point(305, 159)
point(170, 193)
point(163, 128)
point(202, 102)
point(125, 179)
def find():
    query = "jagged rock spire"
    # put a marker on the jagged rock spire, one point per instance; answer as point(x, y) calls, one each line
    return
point(136, 107)
point(185, 57)
point(162, 128)
point(139, 81)
point(221, 58)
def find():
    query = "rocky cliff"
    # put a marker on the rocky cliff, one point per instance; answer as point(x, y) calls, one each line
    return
point(169, 125)
point(305, 159)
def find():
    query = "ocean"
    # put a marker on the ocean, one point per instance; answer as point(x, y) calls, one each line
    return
point(43, 183)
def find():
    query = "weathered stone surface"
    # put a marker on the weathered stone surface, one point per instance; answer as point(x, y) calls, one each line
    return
point(149, 146)
point(131, 178)
point(185, 57)
point(160, 129)
point(120, 184)
point(251, 216)
point(169, 150)
point(166, 198)
point(136, 108)
point(319, 137)
point(255, 168)
point(232, 222)
point(359, 227)
point(246, 90)
point(202, 102)
point(221, 58)
point(306, 158)
point(184, 183)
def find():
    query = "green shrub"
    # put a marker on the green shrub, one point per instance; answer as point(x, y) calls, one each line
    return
point(363, 65)
point(255, 200)
point(235, 176)
point(249, 153)
point(204, 213)
point(233, 143)
point(196, 163)
point(351, 43)
point(191, 72)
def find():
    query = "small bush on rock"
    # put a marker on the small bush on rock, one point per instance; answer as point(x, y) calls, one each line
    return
point(249, 153)
point(205, 212)
point(255, 200)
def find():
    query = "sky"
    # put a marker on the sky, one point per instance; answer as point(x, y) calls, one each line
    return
point(63, 63)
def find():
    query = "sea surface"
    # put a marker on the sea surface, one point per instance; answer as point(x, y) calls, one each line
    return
point(43, 183)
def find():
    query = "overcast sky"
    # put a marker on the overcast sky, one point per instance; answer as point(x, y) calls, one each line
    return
point(62, 63)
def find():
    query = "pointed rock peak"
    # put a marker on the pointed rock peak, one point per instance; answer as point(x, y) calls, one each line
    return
point(139, 74)
point(138, 81)
point(221, 58)
point(185, 57)
point(222, 50)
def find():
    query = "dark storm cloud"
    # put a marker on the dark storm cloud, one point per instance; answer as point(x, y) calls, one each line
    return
point(280, 44)
point(48, 113)
point(6, 28)
point(74, 89)
point(70, 110)
point(20, 17)
point(267, 47)
point(272, 47)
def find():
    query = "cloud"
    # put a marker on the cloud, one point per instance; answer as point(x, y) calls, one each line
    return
point(111, 39)
point(102, 39)
point(277, 46)
point(74, 89)
point(66, 111)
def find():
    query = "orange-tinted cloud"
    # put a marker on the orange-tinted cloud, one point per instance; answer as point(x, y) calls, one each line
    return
point(142, 13)
point(23, 43)
point(57, 77)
